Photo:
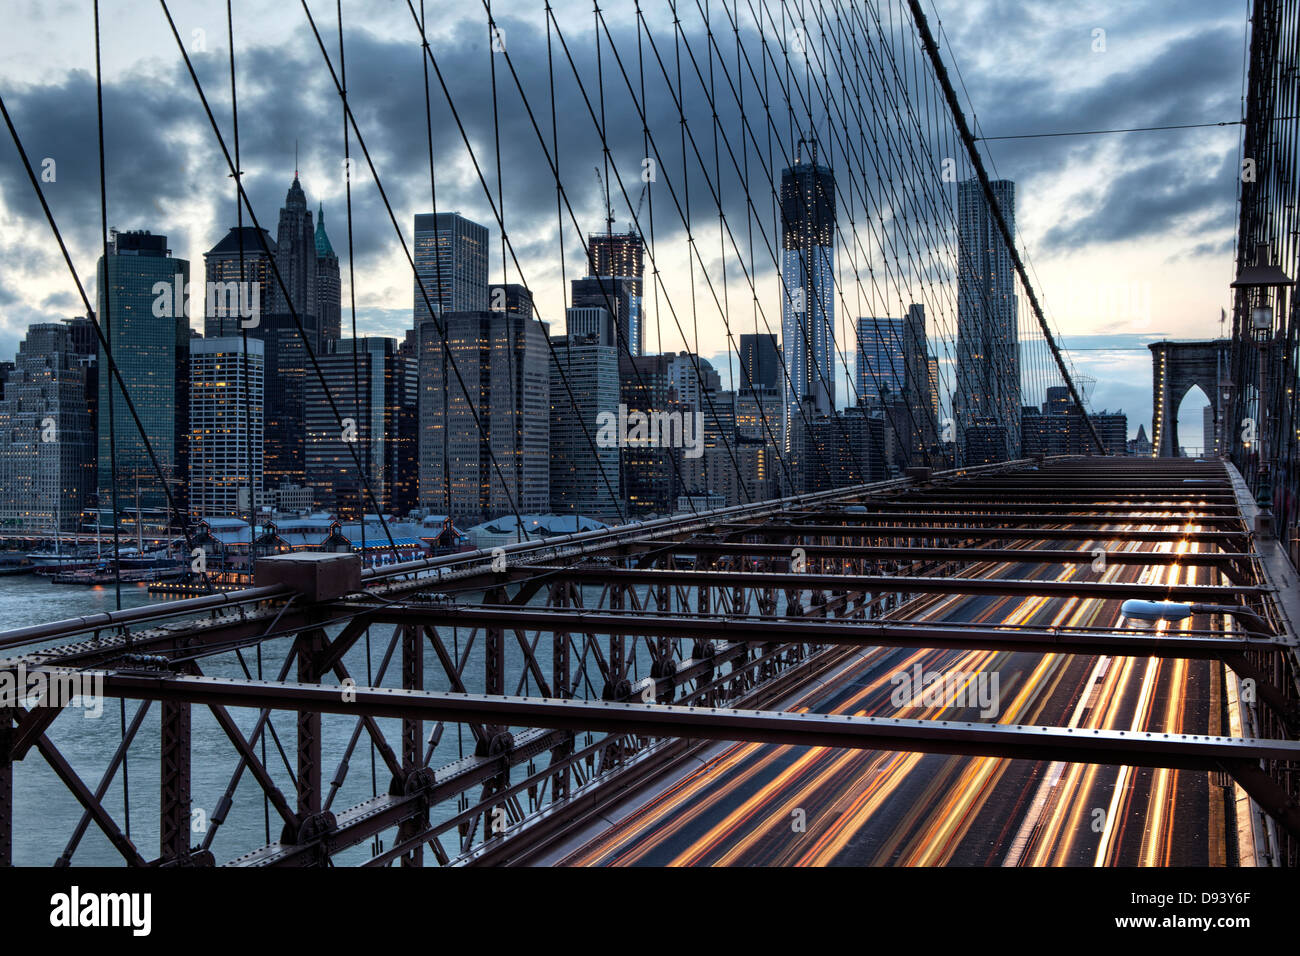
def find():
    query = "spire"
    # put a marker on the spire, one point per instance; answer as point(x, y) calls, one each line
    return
point(323, 247)
point(295, 198)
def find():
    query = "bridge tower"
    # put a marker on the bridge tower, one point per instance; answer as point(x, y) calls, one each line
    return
point(1175, 368)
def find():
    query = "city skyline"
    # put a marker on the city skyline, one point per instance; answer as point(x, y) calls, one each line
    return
point(1112, 286)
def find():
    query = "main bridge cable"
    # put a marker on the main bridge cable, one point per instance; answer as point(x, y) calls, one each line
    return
point(1027, 369)
point(311, 352)
point(922, 26)
point(1043, 371)
point(878, 63)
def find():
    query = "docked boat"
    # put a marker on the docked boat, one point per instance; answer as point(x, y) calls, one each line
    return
point(60, 559)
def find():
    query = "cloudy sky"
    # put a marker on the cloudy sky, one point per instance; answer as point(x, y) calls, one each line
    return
point(1130, 236)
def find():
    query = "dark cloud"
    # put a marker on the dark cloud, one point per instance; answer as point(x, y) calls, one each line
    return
point(1025, 68)
point(1163, 181)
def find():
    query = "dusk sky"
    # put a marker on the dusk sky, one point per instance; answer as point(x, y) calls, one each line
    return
point(1130, 237)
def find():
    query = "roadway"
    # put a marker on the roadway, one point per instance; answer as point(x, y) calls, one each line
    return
point(759, 804)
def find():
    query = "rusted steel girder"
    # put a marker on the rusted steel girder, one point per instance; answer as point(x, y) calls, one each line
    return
point(962, 738)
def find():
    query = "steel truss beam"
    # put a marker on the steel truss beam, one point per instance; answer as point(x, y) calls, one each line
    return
point(1220, 559)
point(1107, 590)
point(785, 532)
point(852, 633)
point(1011, 503)
point(978, 514)
point(961, 738)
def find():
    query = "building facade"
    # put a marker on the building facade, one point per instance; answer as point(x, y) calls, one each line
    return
point(584, 383)
point(227, 393)
point(760, 357)
point(484, 417)
point(372, 386)
point(451, 264)
point(988, 362)
point(881, 365)
point(142, 310)
point(242, 256)
point(808, 284)
point(621, 256)
point(47, 434)
point(621, 297)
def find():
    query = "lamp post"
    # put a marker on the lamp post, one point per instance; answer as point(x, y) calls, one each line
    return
point(1156, 611)
point(1261, 277)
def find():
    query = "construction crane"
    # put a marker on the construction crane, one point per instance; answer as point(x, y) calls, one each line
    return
point(609, 209)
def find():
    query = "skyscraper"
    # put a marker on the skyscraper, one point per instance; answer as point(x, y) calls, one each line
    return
point(620, 256)
point(881, 364)
point(761, 358)
point(227, 390)
point(295, 257)
point(615, 254)
point(808, 283)
point(988, 365)
point(920, 386)
point(142, 310)
point(451, 262)
point(372, 385)
point(47, 434)
point(621, 296)
point(584, 479)
point(504, 378)
point(241, 256)
point(510, 297)
point(328, 285)
point(651, 473)
point(286, 347)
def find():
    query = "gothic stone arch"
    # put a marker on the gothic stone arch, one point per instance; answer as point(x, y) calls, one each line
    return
point(1175, 368)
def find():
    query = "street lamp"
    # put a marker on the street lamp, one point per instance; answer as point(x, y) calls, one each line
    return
point(1156, 611)
point(1262, 276)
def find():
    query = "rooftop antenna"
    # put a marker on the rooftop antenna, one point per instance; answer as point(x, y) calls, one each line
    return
point(295, 158)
